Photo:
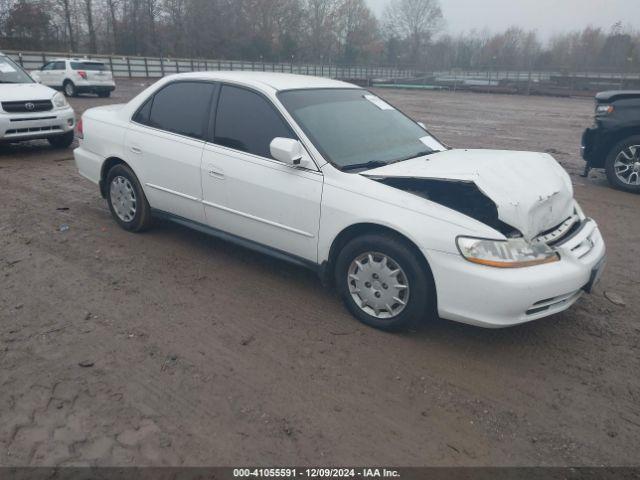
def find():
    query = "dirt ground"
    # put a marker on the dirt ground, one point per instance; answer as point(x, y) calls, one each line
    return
point(174, 348)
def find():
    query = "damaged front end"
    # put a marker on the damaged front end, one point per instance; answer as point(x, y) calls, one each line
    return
point(525, 196)
point(463, 197)
point(516, 193)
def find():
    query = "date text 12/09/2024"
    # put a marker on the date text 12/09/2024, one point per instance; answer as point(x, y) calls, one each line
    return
point(315, 473)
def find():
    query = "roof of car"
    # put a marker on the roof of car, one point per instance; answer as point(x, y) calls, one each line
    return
point(276, 81)
point(74, 59)
point(613, 95)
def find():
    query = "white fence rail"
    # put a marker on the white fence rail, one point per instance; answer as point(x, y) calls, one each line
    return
point(154, 67)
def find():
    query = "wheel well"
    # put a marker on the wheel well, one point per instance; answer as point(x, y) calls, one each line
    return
point(359, 229)
point(108, 164)
point(616, 138)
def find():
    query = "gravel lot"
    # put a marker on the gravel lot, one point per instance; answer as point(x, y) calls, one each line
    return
point(198, 352)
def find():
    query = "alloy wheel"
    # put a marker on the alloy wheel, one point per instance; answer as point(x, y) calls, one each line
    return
point(627, 165)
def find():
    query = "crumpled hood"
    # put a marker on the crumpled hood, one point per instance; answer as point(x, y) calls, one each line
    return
point(532, 192)
point(15, 92)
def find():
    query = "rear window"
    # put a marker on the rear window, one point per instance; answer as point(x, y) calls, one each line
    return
point(91, 66)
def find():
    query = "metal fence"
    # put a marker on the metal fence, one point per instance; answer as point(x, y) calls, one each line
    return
point(155, 67)
point(489, 79)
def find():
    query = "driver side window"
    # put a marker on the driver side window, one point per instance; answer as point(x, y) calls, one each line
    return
point(246, 121)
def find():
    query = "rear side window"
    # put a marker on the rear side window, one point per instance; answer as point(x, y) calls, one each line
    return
point(181, 108)
point(91, 66)
point(248, 122)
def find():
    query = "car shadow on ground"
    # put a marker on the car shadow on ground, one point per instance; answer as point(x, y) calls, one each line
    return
point(455, 334)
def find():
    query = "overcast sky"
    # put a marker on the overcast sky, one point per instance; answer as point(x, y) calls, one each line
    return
point(545, 16)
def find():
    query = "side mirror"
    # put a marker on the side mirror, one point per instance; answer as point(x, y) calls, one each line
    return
point(287, 150)
point(422, 125)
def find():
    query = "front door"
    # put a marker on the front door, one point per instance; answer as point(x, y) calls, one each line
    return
point(248, 193)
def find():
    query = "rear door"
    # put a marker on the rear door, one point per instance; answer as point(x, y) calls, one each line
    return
point(45, 73)
point(164, 144)
point(57, 74)
point(246, 192)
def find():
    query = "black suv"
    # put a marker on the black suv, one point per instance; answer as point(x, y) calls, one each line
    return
point(613, 143)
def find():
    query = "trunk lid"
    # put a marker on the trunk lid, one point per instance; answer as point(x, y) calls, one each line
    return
point(532, 192)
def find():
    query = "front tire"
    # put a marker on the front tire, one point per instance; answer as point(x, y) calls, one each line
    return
point(127, 202)
point(104, 94)
point(61, 141)
point(70, 89)
point(623, 165)
point(384, 282)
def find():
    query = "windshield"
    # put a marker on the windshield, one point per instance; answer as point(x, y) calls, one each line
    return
point(355, 129)
point(10, 72)
point(92, 66)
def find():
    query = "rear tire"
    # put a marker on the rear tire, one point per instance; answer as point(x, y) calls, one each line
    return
point(384, 282)
point(61, 141)
point(69, 89)
point(623, 165)
point(127, 202)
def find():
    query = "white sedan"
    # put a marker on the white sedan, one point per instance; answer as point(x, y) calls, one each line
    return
point(327, 175)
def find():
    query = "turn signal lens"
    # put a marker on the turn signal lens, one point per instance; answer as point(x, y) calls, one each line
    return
point(512, 253)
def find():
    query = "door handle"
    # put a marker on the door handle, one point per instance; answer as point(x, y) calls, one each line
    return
point(136, 150)
point(215, 172)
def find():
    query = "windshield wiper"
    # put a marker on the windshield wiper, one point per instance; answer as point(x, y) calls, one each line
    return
point(415, 155)
point(367, 165)
point(7, 81)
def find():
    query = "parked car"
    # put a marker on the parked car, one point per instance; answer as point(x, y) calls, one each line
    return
point(613, 142)
point(328, 175)
point(30, 111)
point(76, 75)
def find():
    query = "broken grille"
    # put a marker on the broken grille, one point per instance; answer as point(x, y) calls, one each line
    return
point(560, 232)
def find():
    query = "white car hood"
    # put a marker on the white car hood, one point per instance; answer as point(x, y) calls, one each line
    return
point(532, 192)
point(15, 92)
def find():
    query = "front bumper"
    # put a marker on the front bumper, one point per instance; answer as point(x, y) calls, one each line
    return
point(495, 298)
point(17, 127)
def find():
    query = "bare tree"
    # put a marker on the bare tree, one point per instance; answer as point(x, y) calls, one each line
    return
point(93, 41)
point(68, 10)
point(112, 7)
point(358, 31)
point(321, 17)
point(414, 21)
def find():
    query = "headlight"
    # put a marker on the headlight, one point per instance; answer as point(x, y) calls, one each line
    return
point(512, 253)
point(59, 101)
point(604, 110)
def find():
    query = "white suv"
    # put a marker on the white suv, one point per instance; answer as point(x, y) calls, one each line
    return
point(76, 75)
point(29, 111)
point(327, 175)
